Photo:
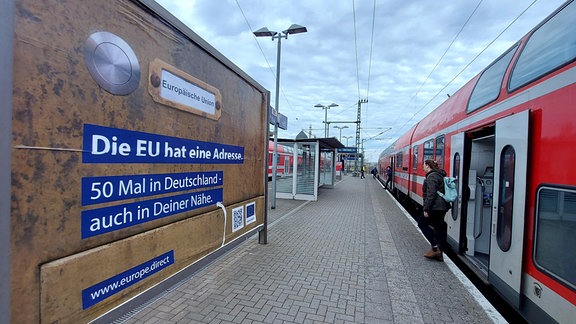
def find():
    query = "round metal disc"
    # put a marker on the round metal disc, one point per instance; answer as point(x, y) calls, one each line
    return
point(112, 63)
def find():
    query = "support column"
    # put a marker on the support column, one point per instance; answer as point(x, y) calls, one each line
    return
point(358, 121)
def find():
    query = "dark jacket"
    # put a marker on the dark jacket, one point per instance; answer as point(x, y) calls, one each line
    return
point(434, 182)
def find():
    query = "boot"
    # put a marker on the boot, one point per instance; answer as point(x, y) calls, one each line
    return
point(435, 254)
point(439, 256)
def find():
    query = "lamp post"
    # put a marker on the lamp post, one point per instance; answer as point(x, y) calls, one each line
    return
point(264, 32)
point(347, 138)
point(326, 129)
point(340, 128)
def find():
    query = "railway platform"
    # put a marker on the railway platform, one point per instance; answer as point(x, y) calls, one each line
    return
point(353, 256)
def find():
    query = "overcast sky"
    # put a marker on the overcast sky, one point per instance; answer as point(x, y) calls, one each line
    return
point(403, 56)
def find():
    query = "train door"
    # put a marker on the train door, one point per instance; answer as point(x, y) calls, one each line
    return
point(393, 167)
point(289, 156)
point(507, 230)
point(454, 218)
point(478, 203)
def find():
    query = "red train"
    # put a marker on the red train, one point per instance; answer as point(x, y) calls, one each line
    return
point(285, 159)
point(508, 135)
point(285, 162)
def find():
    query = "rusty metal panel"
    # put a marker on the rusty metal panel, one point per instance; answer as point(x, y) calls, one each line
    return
point(131, 141)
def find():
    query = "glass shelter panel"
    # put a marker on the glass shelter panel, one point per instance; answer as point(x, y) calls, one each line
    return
point(326, 174)
point(285, 172)
point(306, 162)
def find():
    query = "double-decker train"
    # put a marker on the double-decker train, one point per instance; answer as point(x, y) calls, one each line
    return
point(509, 137)
point(284, 161)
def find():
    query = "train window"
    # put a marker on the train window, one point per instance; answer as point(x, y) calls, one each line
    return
point(488, 86)
point(555, 235)
point(399, 160)
point(456, 174)
point(428, 150)
point(439, 153)
point(549, 48)
point(506, 198)
point(415, 157)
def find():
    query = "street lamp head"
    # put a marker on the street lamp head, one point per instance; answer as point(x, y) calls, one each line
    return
point(326, 107)
point(295, 29)
point(264, 32)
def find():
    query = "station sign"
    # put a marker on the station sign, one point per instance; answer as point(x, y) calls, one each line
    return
point(276, 117)
point(347, 150)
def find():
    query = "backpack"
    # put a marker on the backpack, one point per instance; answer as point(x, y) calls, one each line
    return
point(450, 192)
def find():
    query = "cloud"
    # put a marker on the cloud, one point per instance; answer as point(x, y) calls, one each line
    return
point(342, 58)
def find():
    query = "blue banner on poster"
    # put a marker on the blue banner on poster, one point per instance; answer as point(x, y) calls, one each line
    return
point(100, 291)
point(108, 219)
point(96, 190)
point(112, 145)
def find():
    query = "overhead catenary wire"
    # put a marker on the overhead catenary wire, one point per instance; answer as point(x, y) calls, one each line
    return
point(262, 51)
point(446, 51)
point(469, 63)
point(373, 28)
point(370, 59)
point(356, 48)
point(371, 49)
point(269, 65)
point(365, 114)
point(360, 61)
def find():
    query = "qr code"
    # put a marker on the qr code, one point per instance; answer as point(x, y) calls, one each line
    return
point(237, 218)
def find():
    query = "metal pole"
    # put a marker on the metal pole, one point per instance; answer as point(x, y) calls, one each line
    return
point(277, 103)
point(325, 122)
point(357, 144)
point(358, 121)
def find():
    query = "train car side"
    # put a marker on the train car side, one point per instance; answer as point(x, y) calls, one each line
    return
point(507, 135)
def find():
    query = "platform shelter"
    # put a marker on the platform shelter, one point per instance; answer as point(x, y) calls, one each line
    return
point(308, 164)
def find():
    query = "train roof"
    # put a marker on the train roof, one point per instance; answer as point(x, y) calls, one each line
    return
point(448, 113)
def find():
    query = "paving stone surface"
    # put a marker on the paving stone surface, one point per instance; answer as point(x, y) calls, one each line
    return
point(350, 257)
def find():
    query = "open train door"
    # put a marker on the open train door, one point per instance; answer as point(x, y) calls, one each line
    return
point(393, 166)
point(454, 219)
point(507, 232)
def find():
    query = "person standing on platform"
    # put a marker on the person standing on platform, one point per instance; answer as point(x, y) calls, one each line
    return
point(388, 177)
point(434, 210)
point(374, 173)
